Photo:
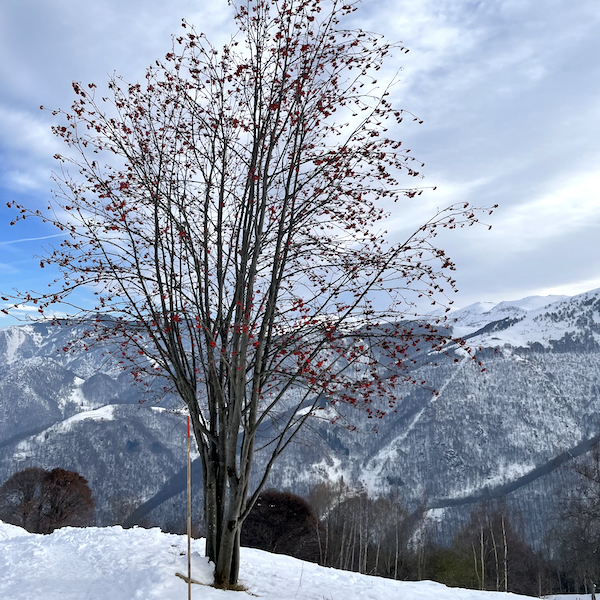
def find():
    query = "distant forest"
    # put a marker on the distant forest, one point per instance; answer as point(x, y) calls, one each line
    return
point(342, 527)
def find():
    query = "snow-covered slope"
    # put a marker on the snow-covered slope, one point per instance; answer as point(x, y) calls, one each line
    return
point(117, 564)
point(544, 320)
point(475, 316)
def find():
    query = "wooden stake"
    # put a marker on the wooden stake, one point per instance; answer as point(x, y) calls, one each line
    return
point(189, 512)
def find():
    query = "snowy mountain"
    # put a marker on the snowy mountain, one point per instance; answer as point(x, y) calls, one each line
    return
point(475, 316)
point(498, 433)
point(118, 564)
point(531, 321)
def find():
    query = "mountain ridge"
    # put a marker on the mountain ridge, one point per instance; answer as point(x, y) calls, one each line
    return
point(538, 398)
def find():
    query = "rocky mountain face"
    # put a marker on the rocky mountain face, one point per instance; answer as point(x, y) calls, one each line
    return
point(506, 432)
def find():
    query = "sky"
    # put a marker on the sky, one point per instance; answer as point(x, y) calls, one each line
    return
point(508, 91)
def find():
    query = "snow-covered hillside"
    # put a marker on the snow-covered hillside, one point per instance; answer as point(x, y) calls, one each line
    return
point(544, 320)
point(486, 434)
point(126, 564)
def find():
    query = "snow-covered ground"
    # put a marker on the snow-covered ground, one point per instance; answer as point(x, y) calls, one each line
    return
point(126, 564)
point(571, 597)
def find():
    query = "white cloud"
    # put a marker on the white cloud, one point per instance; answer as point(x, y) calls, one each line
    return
point(509, 93)
point(32, 239)
point(27, 145)
point(559, 212)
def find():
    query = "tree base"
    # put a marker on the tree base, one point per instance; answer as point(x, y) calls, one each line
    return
point(233, 587)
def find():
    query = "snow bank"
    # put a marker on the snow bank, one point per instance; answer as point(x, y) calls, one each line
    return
point(11, 531)
point(116, 564)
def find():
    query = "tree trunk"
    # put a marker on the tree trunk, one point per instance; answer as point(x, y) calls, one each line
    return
point(360, 540)
point(227, 557)
point(366, 540)
point(481, 541)
point(210, 510)
point(341, 556)
point(349, 564)
point(327, 542)
point(224, 502)
point(505, 556)
point(228, 563)
point(397, 551)
point(495, 556)
point(317, 525)
point(476, 565)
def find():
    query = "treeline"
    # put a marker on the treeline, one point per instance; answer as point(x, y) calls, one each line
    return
point(342, 527)
point(575, 537)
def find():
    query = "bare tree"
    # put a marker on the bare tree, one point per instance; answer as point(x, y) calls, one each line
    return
point(284, 523)
point(42, 501)
point(502, 561)
point(226, 214)
point(66, 501)
point(359, 533)
point(20, 498)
